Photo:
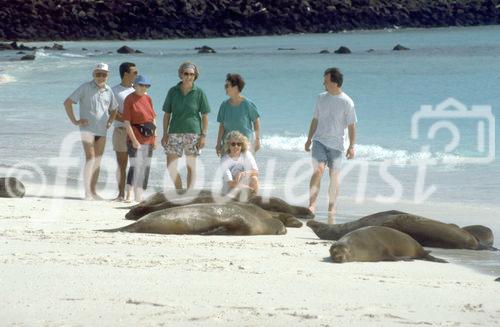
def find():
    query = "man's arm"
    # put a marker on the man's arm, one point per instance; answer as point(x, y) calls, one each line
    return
point(352, 141)
point(68, 105)
point(312, 130)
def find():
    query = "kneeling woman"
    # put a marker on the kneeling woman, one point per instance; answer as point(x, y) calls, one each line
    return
point(139, 119)
point(239, 168)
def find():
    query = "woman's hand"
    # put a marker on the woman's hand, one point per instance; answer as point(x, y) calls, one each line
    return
point(256, 145)
point(164, 140)
point(218, 150)
point(201, 142)
point(136, 144)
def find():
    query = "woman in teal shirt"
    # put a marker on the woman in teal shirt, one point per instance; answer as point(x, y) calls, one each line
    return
point(237, 114)
point(185, 124)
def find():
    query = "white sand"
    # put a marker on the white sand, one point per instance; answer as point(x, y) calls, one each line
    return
point(56, 270)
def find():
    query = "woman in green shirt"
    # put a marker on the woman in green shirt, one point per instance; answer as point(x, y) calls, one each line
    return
point(237, 114)
point(185, 123)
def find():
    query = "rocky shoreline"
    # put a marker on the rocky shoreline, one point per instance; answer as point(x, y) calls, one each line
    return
point(35, 20)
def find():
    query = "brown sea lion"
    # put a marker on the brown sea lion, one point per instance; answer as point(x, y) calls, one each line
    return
point(483, 235)
point(377, 243)
point(426, 231)
point(164, 200)
point(170, 199)
point(213, 218)
point(11, 187)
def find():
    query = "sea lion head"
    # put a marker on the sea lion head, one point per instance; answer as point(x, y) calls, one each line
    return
point(340, 252)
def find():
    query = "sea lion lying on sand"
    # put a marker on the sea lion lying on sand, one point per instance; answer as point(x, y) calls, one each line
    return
point(164, 200)
point(377, 243)
point(426, 231)
point(209, 219)
point(11, 187)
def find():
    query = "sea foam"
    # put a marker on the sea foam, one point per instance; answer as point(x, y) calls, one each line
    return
point(5, 79)
point(365, 152)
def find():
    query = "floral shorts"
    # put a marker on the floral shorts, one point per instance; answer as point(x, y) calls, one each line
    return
point(182, 143)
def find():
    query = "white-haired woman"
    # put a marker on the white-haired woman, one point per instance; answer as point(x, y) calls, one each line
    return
point(185, 123)
point(239, 168)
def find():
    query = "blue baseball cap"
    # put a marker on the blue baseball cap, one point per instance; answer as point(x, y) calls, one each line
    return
point(141, 79)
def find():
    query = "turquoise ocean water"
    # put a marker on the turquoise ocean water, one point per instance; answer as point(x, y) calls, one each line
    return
point(388, 88)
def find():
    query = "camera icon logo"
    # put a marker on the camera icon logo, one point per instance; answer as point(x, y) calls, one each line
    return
point(472, 130)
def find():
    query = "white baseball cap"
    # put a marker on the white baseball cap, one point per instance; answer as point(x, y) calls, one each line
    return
point(101, 66)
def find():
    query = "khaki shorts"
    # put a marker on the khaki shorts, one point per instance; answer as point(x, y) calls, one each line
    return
point(120, 139)
point(182, 142)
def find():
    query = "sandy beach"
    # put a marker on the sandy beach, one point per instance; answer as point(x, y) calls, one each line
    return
point(57, 270)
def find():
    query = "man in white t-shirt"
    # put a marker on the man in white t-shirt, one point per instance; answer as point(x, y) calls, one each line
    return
point(128, 72)
point(334, 112)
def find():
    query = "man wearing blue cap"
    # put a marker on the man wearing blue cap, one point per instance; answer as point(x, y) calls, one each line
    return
point(98, 107)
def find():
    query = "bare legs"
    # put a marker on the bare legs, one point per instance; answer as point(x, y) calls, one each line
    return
point(333, 190)
point(333, 193)
point(174, 173)
point(94, 148)
point(314, 184)
point(122, 160)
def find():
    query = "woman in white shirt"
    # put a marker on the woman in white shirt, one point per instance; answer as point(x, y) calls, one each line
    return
point(239, 168)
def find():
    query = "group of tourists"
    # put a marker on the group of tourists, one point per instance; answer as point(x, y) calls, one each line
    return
point(130, 109)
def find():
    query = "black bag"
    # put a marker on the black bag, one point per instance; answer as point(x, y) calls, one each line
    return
point(146, 129)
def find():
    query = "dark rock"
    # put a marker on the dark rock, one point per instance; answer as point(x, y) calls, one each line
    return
point(24, 47)
point(370, 50)
point(205, 49)
point(343, 50)
point(286, 49)
point(399, 47)
point(58, 47)
point(28, 57)
point(84, 49)
point(126, 49)
point(11, 187)
point(6, 46)
point(324, 51)
point(159, 19)
point(21, 52)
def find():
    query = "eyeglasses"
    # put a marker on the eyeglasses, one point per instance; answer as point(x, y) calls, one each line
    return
point(144, 85)
point(101, 74)
point(236, 143)
point(188, 74)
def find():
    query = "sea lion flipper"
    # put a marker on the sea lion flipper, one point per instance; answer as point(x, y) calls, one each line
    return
point(487, 248)
point(433, 259)
point(219, 230)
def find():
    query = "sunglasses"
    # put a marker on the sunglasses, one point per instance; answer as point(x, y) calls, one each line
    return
point(101, 75)
point(188, 74)
point(144, 85)
point(236, 143)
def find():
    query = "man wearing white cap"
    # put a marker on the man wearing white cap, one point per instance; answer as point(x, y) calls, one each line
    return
point(98, 108)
